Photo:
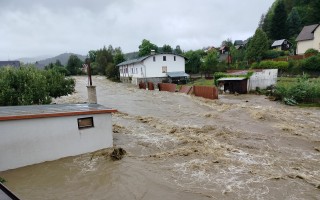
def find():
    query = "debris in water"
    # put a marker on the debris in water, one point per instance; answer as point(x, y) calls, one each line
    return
point(118, 153)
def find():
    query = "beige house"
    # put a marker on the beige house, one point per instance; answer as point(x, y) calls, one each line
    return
point(308, 38)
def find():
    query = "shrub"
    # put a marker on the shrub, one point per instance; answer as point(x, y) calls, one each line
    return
point(28, 85)
point(270, 54)
point(300, 91)
point(311, 51)
point(268, 64)
point(311, 63)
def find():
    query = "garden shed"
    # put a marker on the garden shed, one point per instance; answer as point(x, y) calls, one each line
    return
point(34, 134)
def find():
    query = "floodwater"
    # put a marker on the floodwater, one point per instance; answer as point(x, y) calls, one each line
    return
point(185, 147)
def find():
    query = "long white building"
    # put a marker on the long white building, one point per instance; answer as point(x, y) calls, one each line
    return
point(154, 68)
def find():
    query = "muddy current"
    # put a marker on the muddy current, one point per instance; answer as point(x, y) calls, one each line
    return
point(185, 147)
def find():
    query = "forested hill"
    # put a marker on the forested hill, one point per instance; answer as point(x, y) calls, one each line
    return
point(286, 18)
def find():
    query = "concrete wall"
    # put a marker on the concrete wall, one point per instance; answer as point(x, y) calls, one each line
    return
point(263, 79)
point(303, 46)
point(26, 142)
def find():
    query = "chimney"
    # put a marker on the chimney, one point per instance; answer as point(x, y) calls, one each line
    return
point(153, 52)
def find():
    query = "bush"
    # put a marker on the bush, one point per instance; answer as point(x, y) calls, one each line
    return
point(268, 64)
point(311, 63)
point(28, 85)
point(270, 54)
point(311, 51)
point(300, 91)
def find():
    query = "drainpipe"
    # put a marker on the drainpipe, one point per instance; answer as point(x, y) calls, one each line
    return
point(145, 75)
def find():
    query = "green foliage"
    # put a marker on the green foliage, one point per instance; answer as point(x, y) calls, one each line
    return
point(268, 64)
point(167, 49)
point(112, 72)
point(28, 85)
point(146, 47)
point(270, 54)
point(311, 63)
point(210, 63)
point(312, 51)
point(2, 180)
point(177, 50)
point(303, 12)
point(103, 58)
point(57, 84)
point(301, 90)
point(58, 63)
point(258, 45)
point(294, 23)
point(194, 61)
point(74, 65)
point(278, 28)
point(92, 55)
point(119, 56)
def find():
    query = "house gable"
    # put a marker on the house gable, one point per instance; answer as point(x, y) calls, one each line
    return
point(309, 38)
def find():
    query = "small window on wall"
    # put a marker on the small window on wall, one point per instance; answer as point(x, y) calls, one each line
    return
point(164, 58)
point(154, 59)
point(174, 58)
point(164, 69)
point(86, 122)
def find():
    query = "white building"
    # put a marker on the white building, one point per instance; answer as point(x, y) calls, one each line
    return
point(308, 38)
point(154, 68)
point(34, 134)
point(261, 78)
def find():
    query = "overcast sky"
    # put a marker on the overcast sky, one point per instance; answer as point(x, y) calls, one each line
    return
point(30, 28)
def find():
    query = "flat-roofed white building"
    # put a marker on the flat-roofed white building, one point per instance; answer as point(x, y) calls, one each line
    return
point(34, 134)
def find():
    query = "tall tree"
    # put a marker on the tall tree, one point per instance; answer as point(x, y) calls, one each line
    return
point(118, 56)
point(146, 47)
point(74, 64)
point(262, 18)
point(166, 48)
point(278, 28)
point(294, 23)
point(92, 55)
point(210, 63)
point(58, 63)
point(258, 45)
point(194, 61)
point(177, 50)
point(103, 57)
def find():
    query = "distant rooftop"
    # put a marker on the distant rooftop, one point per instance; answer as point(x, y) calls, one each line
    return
point(307, 32)
point(53, 110)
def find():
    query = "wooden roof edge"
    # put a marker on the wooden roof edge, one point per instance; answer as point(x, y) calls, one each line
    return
point(62, 114)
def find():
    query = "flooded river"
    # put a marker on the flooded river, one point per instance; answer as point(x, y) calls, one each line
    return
point(184, 147)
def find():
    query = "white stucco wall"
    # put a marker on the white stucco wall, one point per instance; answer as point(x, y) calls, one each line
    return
point(263, 79)
point(30, 141)
point(149, 68)
point(154, 69)
point(303, 46)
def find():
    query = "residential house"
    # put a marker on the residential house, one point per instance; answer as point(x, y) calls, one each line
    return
point(10, 63)
point(261, 78)
point(308, 38)
point(154, 68)
point(281, 45)
point(39, 133)
point(238, 44)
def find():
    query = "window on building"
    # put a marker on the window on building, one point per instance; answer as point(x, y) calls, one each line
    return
point(174, 58)
point(86, 122)
point(154, 59)
point(164, 69)
point(131, 70)
point(164, 58)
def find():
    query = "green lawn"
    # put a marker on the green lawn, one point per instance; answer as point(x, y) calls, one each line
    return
point(202, 82)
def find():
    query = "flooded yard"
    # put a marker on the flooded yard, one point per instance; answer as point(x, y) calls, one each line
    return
point(185, 147)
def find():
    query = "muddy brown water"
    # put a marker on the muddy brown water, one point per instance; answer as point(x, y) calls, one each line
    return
point(184, 147)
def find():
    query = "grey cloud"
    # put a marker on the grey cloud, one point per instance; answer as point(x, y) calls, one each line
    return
point(41, 27)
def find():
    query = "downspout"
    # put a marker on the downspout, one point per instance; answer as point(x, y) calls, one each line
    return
point(145, 75)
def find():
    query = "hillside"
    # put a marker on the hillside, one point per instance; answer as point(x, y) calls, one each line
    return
point(286, 18)
point(62, 57)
